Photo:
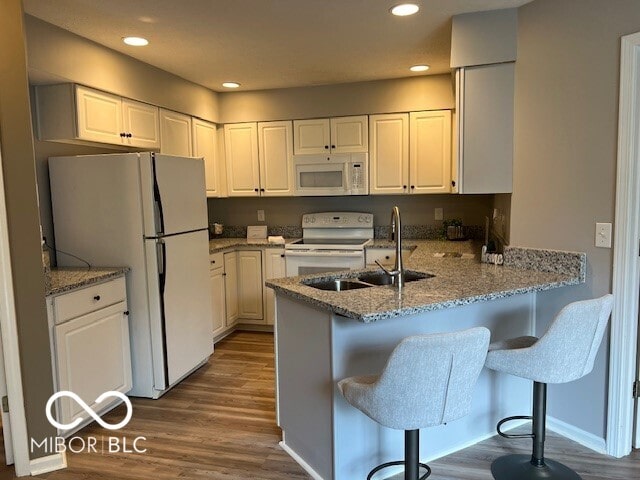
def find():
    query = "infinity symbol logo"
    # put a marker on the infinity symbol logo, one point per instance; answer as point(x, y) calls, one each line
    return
point(89, 410)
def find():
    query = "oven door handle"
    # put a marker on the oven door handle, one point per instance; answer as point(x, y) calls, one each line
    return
point(323, 253)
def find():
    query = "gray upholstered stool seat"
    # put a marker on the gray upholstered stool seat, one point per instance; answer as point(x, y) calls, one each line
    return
point(566, 352)
point(428, 380)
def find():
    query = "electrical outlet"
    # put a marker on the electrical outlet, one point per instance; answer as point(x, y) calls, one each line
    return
point(603, 235)
point(438, 214)
point(261, 215)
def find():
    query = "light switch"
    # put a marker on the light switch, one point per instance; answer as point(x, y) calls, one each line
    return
point(438, 214)
point(261, 215)
point(603, 235)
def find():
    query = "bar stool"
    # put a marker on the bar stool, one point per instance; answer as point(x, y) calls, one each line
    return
point(566, 352)
point(428, 380)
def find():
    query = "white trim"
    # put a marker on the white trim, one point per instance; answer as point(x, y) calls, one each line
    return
point(626, 265)
point(584, 438)
point(47, 464)
point(10, 346)
point(307, 468)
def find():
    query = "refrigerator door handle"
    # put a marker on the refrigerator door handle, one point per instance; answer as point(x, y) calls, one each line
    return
point(157, 200)
point(161, 250)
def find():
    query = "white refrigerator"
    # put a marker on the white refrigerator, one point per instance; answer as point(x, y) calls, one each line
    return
point(148, 212)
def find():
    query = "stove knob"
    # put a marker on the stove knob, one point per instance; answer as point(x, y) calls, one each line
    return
point(368, 219)
point(360, 219)
point(313, 219)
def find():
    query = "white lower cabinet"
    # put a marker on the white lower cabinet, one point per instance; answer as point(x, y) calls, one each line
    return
point(250, 285)
point(231, 288)
point(216, 279)
point(275, 267)
point(386, 256)
point(91, 350)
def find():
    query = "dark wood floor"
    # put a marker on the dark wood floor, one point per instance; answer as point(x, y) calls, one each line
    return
point(220, 424)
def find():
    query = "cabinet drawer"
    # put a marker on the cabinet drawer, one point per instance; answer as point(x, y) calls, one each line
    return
point(89, 299)
point(216, 260)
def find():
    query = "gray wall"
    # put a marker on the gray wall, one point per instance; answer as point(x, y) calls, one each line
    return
point(57, 56)
point(415, 209)
point(22, 216)
point(567, 77)
point(432, 92)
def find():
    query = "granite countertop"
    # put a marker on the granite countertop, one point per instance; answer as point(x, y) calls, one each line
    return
point(457, 281)
point(220, 244)
point(64, 280)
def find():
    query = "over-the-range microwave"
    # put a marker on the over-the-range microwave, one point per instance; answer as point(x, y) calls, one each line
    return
point(339, 174)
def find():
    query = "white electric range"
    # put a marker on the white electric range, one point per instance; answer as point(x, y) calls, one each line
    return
point(331, 241)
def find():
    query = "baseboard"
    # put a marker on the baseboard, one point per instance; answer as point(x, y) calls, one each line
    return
point(249, 327)
point(578, 435)
point(307, 468)
point(50, 463)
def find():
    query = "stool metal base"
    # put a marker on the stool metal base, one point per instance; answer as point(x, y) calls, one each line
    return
point(399, 475)
point(519, 467)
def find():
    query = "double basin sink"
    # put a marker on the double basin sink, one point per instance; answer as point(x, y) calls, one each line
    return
point(366, 280)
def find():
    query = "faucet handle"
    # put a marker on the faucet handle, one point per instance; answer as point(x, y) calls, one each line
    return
point(391, 273)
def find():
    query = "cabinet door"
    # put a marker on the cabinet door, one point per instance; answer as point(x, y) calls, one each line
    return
point(205, 145)
point(241, 152)
point(175, 133)
point(231, 288)
point(99, 116)
point(311, 136)
point(274, 268)
point(141, 124)
point(275, 147)
point(485, 128)
point(349, 134)
point(217, 300)
point(93, 357)
point(250, 286)
point(389, 153)
point(430, 152)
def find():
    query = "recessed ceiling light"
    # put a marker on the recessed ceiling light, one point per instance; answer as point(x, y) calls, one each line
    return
point(230, 84)
point(405, 9)
point(419, 68)
point(135, 41)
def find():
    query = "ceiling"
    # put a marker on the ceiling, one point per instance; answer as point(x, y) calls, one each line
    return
point(266, 44)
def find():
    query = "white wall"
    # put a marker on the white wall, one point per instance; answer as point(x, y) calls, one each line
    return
point(565, 158)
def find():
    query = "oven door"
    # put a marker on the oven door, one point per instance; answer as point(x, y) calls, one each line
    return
point(321, 175)
point(304, 262)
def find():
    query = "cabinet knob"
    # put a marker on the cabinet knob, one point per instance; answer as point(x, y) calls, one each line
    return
point(282, 255)
point(97, 298)
point(333, 146)
point(126, 312)
point(224, 274)
point(413, 186)
point(326, 147)
point(129, 135)
point(255, 190)
point(262, 189)
point(123, 135)
point(404, 187)
point(453, 183)
point(212, 262)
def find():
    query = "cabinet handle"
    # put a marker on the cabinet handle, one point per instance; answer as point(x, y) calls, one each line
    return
point(126, 312)
point(453, 183)
point(129, 135)
point(122, 135)
point(224, 274)
point(97, 298)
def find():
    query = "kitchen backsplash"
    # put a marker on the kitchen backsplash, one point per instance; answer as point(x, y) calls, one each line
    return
point(422, 232)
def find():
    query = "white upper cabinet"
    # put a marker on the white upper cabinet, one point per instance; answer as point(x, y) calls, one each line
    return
point(275, 151)
point(241, 156)
point(99, 116)
point(331, 135)
point(389, 153)
point(70, 113)
point(141, 124)
point(175, 132)
point(205, 145)
point(410, 153)
point(485, 110)
point(259, 159)
point(430, 152)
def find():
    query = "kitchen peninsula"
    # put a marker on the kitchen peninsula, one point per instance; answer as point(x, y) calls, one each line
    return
point(324, 336)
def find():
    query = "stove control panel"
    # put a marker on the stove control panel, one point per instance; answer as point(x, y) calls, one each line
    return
point(337, 219)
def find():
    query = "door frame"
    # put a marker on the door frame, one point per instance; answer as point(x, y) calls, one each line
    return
point(626, 260)
point(10, 345)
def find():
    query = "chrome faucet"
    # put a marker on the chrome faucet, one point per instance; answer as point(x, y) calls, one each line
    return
point(396, 235)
